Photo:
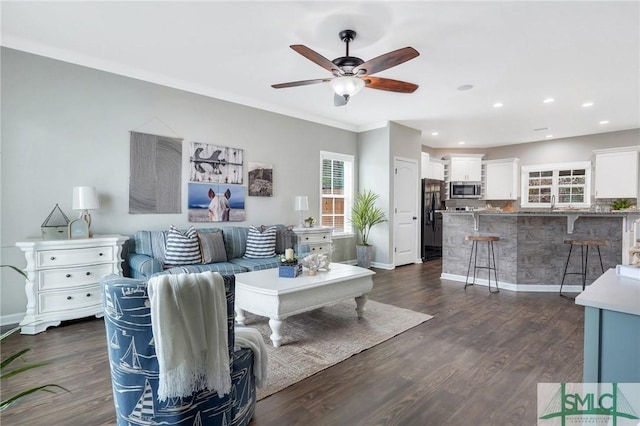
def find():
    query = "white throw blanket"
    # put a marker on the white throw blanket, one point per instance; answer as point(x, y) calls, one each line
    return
point(251, 338)
point(189, 322)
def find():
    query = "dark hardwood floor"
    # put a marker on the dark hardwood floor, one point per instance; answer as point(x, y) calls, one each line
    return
point(477, 362)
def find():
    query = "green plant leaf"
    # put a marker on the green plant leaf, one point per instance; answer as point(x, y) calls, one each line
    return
point(22, 369)
point(365, 214)
point(20, 271)
point(44, 388)
point(9, 360)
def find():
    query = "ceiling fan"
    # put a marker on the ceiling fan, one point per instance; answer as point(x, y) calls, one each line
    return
point(351, 74)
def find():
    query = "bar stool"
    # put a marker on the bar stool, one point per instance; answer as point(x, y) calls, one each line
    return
point(475, 239)
point(584, 257)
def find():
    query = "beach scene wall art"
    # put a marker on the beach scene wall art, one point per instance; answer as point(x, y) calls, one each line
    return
point(216, 202)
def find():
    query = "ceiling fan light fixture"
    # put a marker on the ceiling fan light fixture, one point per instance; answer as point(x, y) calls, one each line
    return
point(347, 85)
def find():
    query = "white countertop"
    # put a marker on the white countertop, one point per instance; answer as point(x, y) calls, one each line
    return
point(613, 293)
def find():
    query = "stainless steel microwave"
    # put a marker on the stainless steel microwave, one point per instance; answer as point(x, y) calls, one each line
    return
point(465, 190)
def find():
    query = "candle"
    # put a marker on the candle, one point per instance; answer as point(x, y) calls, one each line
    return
point(288, 254)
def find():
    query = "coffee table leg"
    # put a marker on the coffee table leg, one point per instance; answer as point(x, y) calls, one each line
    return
point(240, 316)
point(360, 302)
point(276, 326)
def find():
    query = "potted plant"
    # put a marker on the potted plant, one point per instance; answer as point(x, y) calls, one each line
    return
point(364, 215)
point(8, 370)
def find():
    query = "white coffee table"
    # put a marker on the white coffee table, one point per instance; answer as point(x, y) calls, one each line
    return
point(264, 293)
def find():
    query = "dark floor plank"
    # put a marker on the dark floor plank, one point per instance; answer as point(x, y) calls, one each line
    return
point(477, 362)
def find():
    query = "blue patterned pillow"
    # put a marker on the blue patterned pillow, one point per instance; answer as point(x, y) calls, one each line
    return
point(182, 248)
point(261, 244)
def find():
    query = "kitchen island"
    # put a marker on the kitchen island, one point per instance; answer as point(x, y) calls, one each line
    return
point(531, 253)
point(611, 324)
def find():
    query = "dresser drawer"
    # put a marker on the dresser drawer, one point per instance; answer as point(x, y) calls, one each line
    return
point(72, 277)
point(320, 249)
point(69, 299)
point(319, 237)
point(70, 257)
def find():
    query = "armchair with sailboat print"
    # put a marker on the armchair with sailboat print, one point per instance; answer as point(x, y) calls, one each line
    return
point(135, 371)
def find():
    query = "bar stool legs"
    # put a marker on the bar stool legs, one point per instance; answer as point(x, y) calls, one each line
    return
point(490, 256)
point(584, 256)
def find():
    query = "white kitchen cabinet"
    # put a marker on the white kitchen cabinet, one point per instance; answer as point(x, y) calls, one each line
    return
point(63, 278)
point(465, 167)
point(617, 173)
point(501, 179)
point(432, 168)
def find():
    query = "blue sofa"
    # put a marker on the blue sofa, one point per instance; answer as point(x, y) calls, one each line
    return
point(145, 253)
point(134, 365)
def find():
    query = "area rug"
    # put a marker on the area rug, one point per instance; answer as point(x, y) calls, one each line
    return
point(316, 340)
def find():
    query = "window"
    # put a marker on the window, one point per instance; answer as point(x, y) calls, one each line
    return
point(336, 175)
point(559, 185)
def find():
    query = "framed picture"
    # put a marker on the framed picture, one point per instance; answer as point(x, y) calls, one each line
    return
point(260, 179)
point(216, 202)
point(78, 228)
point(215, 164)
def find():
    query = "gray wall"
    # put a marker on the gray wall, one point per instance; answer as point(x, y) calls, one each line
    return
point(373, 174)
point(65, 125)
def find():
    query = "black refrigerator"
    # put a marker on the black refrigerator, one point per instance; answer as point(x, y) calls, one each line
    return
point(432, 200)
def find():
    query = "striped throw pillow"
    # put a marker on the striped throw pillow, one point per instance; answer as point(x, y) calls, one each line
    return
point(261, 244)
point(182, 248)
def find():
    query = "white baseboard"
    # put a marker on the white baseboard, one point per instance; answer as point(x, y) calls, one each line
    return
point(388, 266)
point(539, 288)
point(11, 319)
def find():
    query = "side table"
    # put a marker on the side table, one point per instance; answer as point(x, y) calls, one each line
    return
point(316, 239)
point(63, 278)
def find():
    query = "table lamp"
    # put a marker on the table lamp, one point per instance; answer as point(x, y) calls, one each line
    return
point(85, 198)
point(301, 205)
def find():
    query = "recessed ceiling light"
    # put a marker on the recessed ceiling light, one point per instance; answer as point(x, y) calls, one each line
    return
point(497, 105)
point(435, 134)
point(549, 136)
point(604, 122)
point(461, 143)
point(548, 100)
point(587, 104)
point(465, 87)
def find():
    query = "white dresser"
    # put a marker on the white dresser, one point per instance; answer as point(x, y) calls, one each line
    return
point(63, 278)
point(317, 239)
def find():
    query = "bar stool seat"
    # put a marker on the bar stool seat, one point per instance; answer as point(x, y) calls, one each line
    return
point(584, 257)
point(489, 239)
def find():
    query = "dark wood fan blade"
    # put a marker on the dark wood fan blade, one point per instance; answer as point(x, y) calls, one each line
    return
point(386, 61)
point(300, 83)
point(316, 57)
point(389, 84)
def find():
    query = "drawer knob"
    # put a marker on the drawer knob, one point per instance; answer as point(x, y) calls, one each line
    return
point(88, 273)
point(53, 258)
point(99, 254)
point(324, 236)
point(88, 294)
point(68, 275)
point(69, 297)
point(306, 238)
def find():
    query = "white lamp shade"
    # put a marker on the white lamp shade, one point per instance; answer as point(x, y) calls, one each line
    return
point(301, 203)
point(85, 198)
point(347, 85)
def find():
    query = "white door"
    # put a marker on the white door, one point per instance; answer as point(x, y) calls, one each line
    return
point(406, 196)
